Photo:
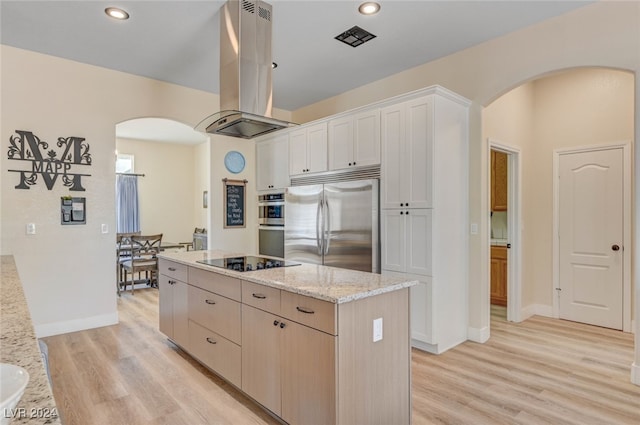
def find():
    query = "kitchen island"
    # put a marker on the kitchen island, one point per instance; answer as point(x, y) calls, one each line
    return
point(310, 343)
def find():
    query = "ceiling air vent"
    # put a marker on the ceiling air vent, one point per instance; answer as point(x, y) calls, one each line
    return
point(355, 36)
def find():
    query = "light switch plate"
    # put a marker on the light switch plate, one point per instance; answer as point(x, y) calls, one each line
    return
point(105, 228)
point(377, 329)
point(31, 228)
point(474, 228)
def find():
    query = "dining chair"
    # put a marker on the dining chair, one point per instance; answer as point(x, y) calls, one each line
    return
point(144, 249)
point(123, 253)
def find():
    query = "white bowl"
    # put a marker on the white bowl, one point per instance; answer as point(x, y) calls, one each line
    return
point(13, 381)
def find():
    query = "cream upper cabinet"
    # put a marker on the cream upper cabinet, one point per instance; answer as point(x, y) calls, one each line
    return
point(308, 149)
point(354, 140)
point(407, 146)
point(272, 156)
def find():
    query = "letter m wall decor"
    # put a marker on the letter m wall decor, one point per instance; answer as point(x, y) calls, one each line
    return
point(49, 164)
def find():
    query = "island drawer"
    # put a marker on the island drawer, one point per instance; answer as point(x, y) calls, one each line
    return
point(260, 296)
point(309, 311)
point(215, 282)
point(214, 351)
point(216, 313)
point(173, 269)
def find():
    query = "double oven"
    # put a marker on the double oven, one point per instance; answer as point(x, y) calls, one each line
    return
point(271, 224)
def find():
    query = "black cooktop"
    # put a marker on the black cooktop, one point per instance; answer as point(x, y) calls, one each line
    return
point(247, 264)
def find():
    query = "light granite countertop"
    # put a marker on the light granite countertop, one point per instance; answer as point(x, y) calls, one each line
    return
point(19, 346)
point(326, 283)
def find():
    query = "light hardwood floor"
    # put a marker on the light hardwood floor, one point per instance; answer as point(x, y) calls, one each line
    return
point(541, 371)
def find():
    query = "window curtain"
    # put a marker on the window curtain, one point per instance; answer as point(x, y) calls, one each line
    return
point(127, 208)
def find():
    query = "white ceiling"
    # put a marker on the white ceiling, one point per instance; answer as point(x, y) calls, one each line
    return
point(177, 41)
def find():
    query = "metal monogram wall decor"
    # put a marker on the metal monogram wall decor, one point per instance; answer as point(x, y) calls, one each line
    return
point(49, 164)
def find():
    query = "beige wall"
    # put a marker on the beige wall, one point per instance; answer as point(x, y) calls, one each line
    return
point(68, 272)
point(576, 108)
point(167, 190)
point(510, 121)
point(202, 178)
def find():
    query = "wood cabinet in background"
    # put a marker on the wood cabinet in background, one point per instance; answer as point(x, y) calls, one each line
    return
point(354, 140)
point(499, 275)
point(499, 179)
point(272, 163)
point(308, 149)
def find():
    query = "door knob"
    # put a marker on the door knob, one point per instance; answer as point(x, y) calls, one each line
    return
point(615, 247)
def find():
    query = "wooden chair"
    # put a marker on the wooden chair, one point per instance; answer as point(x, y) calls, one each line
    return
point(123, 253)
point(143, 258)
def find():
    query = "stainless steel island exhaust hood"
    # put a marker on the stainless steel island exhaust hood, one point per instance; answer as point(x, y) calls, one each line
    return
point(245, 72)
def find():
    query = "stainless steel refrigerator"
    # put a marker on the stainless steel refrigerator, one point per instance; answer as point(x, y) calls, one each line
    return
point(334, 224)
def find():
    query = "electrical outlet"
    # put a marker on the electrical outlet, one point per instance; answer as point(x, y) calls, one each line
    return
point(377, 329)
point(31, 228)
point(105, 228)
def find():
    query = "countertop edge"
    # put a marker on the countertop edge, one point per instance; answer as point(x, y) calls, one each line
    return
point(20, 347)
point(253, 277)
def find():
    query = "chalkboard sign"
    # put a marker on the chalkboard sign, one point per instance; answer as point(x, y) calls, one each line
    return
point(234, 203)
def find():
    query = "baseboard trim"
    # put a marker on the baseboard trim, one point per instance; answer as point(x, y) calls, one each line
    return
point(58, 328)
point(635, 374)
point(480, 335)
point(536, 310)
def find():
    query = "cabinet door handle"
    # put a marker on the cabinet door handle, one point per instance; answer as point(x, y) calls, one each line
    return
point(349, 164)
point(305, 310)
point(615, 247)
point(171, 282)
point(172, 269)
point(401, 204)
point(259, 296)
point(211, 341)
point(210, 302)
point(401, 212)
point(407, 212)
point(282, 325)
point(276, 323)
point(354, 163)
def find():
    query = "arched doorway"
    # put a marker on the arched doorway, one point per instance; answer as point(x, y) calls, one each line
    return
point(564, 110)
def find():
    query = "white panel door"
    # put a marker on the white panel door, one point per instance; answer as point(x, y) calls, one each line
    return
point(317, 148)
point(590, 237)
point(419, 152)
point(393, 240)
point(297, 152)
point(341, 143)
point(418, 239)
point(394, 176)
point(366, 138)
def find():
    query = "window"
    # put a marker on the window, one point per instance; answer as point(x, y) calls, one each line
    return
point(124, 163)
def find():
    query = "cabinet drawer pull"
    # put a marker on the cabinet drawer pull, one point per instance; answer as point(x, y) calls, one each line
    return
point(210, 302)
point(171, 282)
point(172, 269)
point(259, 296)
point(211, 341)
point(305, 310)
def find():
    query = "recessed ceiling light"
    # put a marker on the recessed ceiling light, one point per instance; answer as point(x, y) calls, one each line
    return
point(369, 8)
point(116, 13)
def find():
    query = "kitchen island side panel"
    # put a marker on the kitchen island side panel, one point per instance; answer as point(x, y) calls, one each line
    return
point(375, 376)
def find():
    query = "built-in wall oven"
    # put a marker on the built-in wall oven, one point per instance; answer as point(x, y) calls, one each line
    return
point(271, 224)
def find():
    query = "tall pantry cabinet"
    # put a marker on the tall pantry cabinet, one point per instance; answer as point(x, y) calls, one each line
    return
point(424, 211)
